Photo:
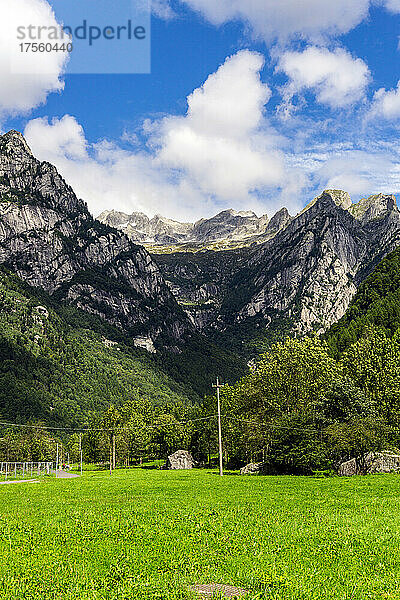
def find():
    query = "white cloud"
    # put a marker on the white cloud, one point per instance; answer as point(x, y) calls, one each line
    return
point(392, 5)
point(162, 9)
point(386, 104)
point(361, 169)
point(26, 78)
point(223, 143)
point(63, 138)
point(222, 152)
point(283, 19)
point(107, 176)
point(335, 77)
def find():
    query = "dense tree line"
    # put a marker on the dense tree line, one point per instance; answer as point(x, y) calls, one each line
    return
point(298, 410)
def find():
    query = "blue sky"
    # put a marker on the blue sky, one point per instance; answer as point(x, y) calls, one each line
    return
point(283, 104)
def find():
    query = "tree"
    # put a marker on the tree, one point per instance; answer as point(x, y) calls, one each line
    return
point(112, 423)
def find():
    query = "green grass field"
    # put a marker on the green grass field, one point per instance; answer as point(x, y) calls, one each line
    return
point(149, 534)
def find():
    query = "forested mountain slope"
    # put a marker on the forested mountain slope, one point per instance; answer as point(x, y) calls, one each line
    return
point(377, 302)
point(63, 366)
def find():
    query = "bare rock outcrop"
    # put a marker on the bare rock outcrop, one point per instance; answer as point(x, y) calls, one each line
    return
point(372, 462)
point(181, 459)
point(253, 469)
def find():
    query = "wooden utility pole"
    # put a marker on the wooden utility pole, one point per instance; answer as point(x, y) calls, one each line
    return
point(218, 386)
point(113, 451)
point(80, 452)
point(57, 463)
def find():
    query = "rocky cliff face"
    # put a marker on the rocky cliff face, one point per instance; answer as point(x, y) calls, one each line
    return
point(49, 239)
point(310, 271)
point(200, 280)
point(300, 280)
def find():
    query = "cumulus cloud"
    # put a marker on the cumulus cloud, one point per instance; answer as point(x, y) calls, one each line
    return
point(108, 176)
point(283, 19)
point(26, 78)
point(386, 104)
point(222, 152)
point(335, 77)
point(223, 143)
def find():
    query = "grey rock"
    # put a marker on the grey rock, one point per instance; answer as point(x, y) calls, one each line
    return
point(229, 225)
point(182, 459)
point(146, 343)
point(200, 281)
point(253, 469)
point(309, 272)
point(372, 462)
point(374, 207)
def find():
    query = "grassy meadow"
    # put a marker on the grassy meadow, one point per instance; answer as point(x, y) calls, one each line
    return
point(148, 534)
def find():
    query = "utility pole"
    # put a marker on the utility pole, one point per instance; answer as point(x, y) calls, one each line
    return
point(113, 451)
point(80, 451)
point(57, 463)
point(218, 386)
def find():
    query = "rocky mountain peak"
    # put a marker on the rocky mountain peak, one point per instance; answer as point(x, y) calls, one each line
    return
point(373, 207)
point(50, 240)
point(279, 221)
point(228, 225)
point(13, 142)
point(113, 218)
point(339, 197)
point(27, 181)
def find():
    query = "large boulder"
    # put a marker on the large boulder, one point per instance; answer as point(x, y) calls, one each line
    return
point(253, 469)
point(373, 462)
point(182, 459)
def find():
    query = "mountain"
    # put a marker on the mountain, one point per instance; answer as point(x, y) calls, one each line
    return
point(228, 227)
point(301, 280)
point(140, 228)
point(50, 240)
point(376, 303)
point(62, 365)
point(299, 277)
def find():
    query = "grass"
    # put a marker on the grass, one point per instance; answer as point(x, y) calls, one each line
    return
point(23, 477)
point(147, 535)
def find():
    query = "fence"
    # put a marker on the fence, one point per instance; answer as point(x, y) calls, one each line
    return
point(26, 468)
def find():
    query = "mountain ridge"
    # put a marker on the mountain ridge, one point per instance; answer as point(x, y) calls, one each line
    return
point(228, 227)
point(300, 281)
point(299, 278)
point(50, 240)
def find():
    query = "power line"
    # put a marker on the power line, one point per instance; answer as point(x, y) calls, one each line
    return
point(301, 429)
point(87, 429)
point(271, 426)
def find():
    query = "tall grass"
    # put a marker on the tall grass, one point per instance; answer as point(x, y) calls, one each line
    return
point(149, 534)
